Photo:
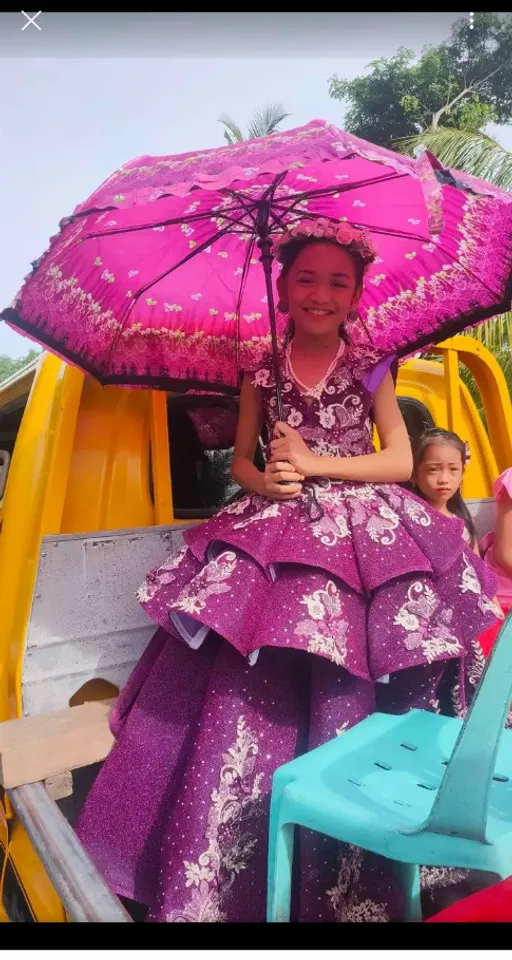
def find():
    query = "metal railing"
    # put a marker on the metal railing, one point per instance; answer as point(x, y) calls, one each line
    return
point(84, 893)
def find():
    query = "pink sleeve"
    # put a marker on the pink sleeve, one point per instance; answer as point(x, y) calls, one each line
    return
point(374, 378)
point(503, 485)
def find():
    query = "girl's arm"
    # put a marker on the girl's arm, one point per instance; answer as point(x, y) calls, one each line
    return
point(393, 463)
point(243, 470)
point(502, 543)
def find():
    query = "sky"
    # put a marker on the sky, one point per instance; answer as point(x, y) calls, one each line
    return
point(67, 122)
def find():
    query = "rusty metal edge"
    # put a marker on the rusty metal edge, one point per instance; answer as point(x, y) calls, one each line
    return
point(84, 893)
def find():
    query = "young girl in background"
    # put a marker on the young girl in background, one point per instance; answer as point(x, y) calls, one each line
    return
point(279, 617)
point(440, 457)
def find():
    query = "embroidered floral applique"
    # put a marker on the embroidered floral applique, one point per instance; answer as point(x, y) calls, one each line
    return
point(235, 802)
point(347, 908)
point(238, 506)
point(325, 627)
point(160, 577)
point(417, 512)
point(273, 510)
point(470, 583)
point(381, 529)
point(427, 623)
point(209, 582)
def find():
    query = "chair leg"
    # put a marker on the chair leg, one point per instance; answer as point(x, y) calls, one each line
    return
point(280, 860)
point(409, 878)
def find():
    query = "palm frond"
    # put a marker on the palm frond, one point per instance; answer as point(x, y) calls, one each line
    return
point(495, 334)
point(266, 120)
point(504, 359)
point(476, 153)
point(232, 132)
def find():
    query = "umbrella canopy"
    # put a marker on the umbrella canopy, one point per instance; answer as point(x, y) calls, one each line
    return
point(155, 280)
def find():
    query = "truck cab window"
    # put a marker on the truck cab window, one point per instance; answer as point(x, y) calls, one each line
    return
point(201, 438)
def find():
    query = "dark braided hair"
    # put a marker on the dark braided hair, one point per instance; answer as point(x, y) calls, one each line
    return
point(288, 256)
point(456, 504)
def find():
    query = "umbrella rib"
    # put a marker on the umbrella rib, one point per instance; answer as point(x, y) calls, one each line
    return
point(338, 188)
point(382, 231)
point(163, 223)
point(193, 253)
point(240, 197)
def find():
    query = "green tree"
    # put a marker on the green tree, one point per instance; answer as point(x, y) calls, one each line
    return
point(473, 151)
point(11, 365)
point(463, 83)
point(264, 121)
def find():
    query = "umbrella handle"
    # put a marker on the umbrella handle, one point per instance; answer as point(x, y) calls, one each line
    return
point(266, 259)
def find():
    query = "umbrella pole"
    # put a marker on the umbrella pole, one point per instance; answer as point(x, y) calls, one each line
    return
point(265, 245)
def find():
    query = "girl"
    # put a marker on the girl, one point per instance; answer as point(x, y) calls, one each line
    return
point(497, 546)
point(440, 457)
point(278, 618)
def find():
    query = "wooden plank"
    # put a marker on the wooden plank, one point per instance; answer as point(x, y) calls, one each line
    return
point(47, 745)
point(83, 891)
point(61, 786)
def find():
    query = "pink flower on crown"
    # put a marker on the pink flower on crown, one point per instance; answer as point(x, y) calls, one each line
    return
point(303, 228)
point(346, 234)
point(343, 233)
point(322, 228)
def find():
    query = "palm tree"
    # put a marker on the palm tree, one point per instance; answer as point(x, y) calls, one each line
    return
point(264, 121)
point(469, 150)
point(478, 154)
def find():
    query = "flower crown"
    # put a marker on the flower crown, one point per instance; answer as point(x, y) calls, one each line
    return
point(355, 239)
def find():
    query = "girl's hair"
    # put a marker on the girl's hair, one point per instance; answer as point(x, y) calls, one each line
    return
point(456, 504)
point(290, 252)
point(288, 256)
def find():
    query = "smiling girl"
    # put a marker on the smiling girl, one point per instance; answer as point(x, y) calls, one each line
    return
point(278, 619)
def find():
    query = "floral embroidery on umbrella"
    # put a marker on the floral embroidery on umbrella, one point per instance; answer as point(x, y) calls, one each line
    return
point(325, 629)
point(209, 581)
point(342, 898)
point(427, 623)
point(235, 802)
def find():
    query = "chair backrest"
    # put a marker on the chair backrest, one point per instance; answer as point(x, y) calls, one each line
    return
point(461, 805)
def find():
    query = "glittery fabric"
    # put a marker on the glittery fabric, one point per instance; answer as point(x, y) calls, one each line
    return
point(276, 629)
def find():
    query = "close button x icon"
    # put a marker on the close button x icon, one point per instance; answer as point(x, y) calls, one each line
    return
point(31, 19)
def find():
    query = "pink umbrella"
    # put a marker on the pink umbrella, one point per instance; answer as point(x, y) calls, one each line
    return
point(156, 280)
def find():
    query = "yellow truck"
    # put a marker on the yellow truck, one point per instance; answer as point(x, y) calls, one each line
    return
point(96, 485)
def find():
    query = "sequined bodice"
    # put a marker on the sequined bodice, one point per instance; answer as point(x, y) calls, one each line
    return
point(334, 418)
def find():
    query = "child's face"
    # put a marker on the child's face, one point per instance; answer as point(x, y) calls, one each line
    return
point(439, 475)
point(321, 288)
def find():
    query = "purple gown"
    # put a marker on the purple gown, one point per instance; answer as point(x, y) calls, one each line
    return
point(282, 625)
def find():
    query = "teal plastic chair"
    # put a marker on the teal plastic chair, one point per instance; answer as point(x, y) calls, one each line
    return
point(418, 788)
